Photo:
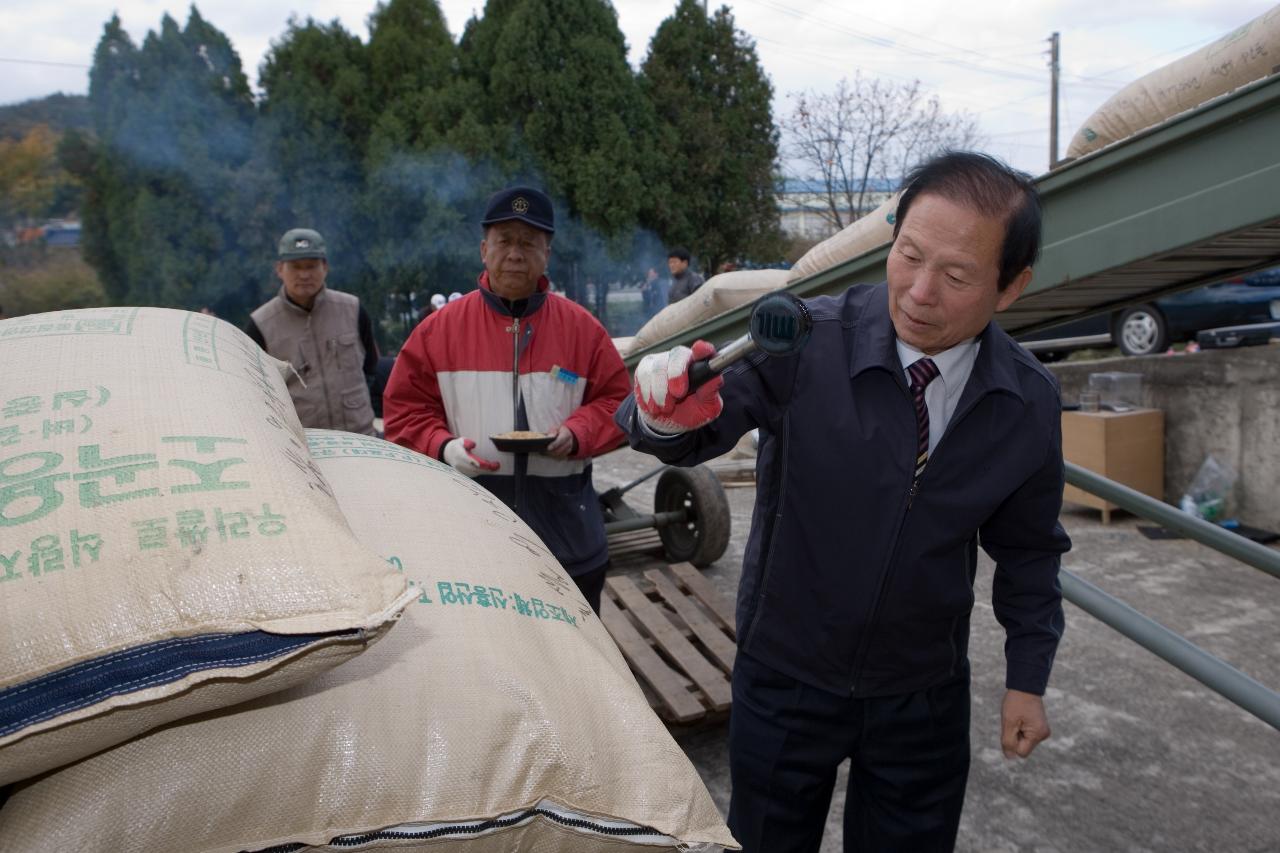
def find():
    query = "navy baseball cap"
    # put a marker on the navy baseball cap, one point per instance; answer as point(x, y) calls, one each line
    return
point(523, 203)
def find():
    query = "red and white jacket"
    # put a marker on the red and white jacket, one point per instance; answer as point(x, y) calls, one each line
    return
point(455, 377)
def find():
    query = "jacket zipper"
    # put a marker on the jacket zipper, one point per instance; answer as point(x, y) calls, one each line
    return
point(865, 642)
point(514, 329)
point(860, 658)
point(517, 486)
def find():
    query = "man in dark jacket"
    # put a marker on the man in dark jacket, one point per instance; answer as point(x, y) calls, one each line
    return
point(907, 432)
point(684, 281)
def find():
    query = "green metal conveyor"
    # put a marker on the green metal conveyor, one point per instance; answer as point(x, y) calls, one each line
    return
point(1191, 201)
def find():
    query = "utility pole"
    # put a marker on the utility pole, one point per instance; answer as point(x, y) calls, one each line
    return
point(1053, 100)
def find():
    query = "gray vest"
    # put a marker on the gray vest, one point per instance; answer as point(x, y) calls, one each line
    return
point(323, 345)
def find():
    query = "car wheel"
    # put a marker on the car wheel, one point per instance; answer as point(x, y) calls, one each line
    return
point(1141, 330)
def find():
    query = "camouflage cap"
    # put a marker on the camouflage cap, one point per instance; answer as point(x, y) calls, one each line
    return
point(300, 243)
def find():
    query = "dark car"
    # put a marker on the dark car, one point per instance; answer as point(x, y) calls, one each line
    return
point(1152, 326)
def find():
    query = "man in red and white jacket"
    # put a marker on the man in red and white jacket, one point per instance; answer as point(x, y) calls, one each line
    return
point(509, 357)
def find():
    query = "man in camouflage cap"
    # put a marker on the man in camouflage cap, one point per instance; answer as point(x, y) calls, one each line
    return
point(326, 335)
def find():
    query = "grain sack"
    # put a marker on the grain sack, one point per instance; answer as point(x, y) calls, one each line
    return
point(717, 295)
point(624, 345)
point(497, 717)
point(1241, 56)
point(166, 544)
point(859, 237)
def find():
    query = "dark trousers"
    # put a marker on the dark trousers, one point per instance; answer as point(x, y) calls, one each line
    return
point(909, 764)
point(591, 584)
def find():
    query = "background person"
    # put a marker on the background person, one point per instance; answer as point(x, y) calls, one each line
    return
point(452, 388)
point(326, 335)
point(684, 281)
point(909, 431)
point(653, 292)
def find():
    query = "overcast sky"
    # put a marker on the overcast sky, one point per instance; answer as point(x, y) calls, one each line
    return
point(986, 57)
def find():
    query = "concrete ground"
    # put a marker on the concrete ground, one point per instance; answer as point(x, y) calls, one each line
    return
point(1142, 757)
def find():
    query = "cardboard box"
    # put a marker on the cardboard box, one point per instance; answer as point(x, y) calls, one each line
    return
point(1127, 447)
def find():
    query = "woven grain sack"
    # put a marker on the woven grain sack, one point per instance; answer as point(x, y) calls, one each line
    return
point(497, 717)
point(857, 238)
point(166, 544)
point(717, 295)
point(624, 345)
point(1243, 55)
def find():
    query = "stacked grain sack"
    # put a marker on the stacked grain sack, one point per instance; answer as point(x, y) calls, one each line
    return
point(498, 716)
point(624, 345)
point(719, 294)
point(167, 546)
point(859, 237)
point(1242, 56)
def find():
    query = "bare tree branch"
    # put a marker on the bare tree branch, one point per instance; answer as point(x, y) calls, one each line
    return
point(856, 143)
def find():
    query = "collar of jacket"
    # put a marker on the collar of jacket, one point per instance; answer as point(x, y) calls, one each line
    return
point(293, 306)
point(875, 346)
point(495, 302)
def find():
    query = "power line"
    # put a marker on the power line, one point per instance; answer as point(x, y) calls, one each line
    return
point(43, 62)
point(842, 64)
point(1025, 72)
point(1195, 44)
point(881, 41)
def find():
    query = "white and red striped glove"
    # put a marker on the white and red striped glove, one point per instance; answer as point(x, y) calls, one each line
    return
point(662, 391)
point(458, 454)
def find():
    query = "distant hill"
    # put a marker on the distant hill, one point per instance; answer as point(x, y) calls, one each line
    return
point(60, 112)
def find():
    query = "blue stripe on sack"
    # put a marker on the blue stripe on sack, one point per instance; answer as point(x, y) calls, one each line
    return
point(138, 668)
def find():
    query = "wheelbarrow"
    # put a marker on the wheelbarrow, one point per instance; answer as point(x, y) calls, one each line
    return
point(690, 521)
point(690, 510)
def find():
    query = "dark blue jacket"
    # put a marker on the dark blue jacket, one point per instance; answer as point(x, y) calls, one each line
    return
point(849, 583)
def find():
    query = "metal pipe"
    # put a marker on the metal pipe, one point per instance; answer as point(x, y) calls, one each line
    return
point(1231, 544)
point(736, 349)
point(1217, 675)
point(656, 521)
point(622, 490)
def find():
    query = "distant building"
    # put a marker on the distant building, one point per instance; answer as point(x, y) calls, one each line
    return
point(62, 233)
point(56, 233)
point(802, 204)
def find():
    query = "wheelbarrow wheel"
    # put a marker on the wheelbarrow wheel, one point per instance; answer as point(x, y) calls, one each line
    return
point(704, 536)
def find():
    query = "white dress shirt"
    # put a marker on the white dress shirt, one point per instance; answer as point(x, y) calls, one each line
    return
point(943, 393)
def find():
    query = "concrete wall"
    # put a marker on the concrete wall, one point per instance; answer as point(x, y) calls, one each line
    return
point(1224, 402)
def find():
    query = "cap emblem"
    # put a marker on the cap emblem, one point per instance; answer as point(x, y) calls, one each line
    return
point(302, 243)
point(520, 204)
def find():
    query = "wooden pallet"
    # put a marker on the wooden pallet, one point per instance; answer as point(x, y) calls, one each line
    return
point(734, 473)
point(677, 633)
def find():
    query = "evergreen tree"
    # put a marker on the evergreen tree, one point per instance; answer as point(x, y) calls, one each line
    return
point(492, 135)
point(559, 77)
point(413, 60)
point(315, 118)
point(418, 187)
point(104, 219)
point(717, 144)
point(173, 122)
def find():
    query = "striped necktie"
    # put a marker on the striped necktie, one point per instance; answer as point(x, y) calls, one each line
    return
point(922, 372)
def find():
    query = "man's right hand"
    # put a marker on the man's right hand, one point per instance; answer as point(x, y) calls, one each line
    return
point(662, 391)
point(458, 454)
